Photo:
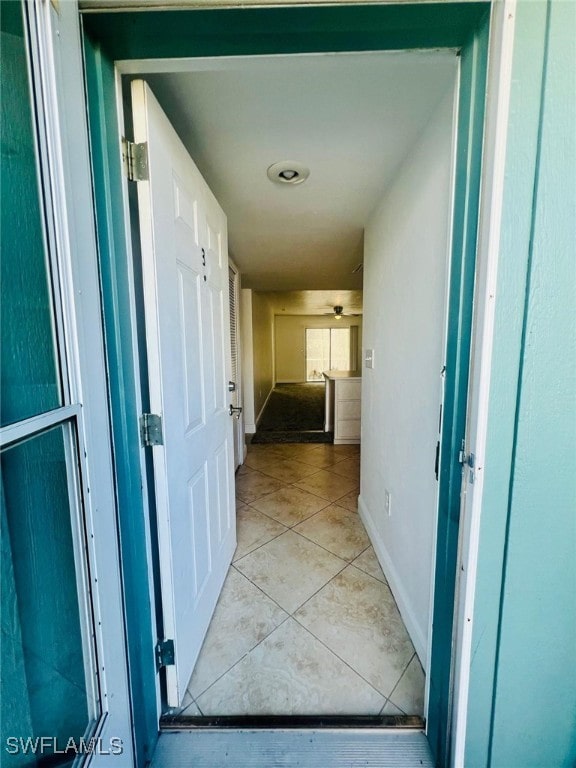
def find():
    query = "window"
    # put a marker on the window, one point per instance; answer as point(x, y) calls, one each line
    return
point(327, 349)
point(48, 668)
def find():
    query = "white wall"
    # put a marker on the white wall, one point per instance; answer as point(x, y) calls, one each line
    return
point(257, 335)
point(405, 266)
point(263, 337)
point(290, 342)
point(247, 352)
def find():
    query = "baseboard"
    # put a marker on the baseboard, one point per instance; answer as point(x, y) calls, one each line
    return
point(395, 584)
point(259, 417)
point(298, 381)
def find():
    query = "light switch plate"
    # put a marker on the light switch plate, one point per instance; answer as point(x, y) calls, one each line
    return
point(369, 358)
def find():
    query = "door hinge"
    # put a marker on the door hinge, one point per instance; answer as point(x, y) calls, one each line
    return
point(164, 654)
point(135, 160)
point(467, 460)
point(151, 430)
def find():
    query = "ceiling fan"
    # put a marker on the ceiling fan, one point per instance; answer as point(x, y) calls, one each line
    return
point(338, 313)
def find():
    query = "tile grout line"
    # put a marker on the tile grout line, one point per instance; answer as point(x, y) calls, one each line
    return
point(287, 487)
point(293, 615)
point(345, 564)
point(258, 587)
point(247, 653)
point(268, 597)
point(313, 471)
point(398, 683)
point(302, 536)
point(308, 631)
point(277, 536)
point(288, 615)
point(293, 485)
point(331, 501)
point(385, 583)
point(311, 541)
point(346, 663)
point(187, 707)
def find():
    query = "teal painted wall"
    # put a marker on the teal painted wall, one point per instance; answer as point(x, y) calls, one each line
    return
point(522, 707)
point(285, 30)
point(461, 290)
point(116, 292)
point(296, 29)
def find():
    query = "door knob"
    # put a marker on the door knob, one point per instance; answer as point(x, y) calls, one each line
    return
point(235, 410)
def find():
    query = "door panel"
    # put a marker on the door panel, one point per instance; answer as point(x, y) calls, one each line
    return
point(189, 305)
point(185, 277)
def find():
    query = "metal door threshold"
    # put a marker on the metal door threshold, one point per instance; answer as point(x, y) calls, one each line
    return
point(293, 748)
point(290, 722)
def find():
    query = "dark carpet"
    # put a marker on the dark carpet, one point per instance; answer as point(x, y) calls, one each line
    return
point(294, 414)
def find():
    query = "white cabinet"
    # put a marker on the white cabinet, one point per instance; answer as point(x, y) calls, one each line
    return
point(343, 392)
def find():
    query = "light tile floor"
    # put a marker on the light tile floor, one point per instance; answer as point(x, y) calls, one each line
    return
point(306, 623)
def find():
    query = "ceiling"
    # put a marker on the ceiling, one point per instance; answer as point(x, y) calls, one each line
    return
point(350, 118)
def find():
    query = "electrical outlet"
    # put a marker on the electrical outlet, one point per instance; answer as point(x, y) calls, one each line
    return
point(388, 502)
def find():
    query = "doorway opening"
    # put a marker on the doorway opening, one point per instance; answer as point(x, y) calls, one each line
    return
point(329, 537)
point(469, 32)
point(299, 326)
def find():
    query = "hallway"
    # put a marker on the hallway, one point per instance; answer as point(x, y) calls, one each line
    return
point(306, 623)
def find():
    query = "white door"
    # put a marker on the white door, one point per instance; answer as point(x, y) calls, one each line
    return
point(185, 274)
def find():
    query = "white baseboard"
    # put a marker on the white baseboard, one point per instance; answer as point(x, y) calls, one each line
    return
point(297, 381)
point(262, 409)
point(404, 606)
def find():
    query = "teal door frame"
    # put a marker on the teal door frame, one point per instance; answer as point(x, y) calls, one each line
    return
point(112, 37)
